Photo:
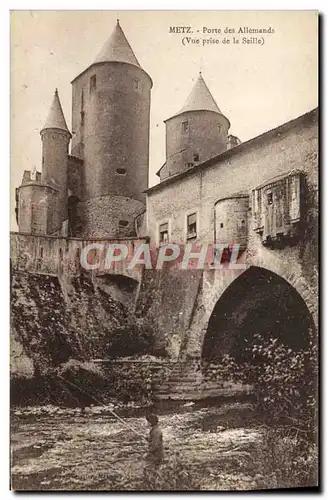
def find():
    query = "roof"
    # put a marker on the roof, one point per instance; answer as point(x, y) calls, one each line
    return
point(199, 99)
point(303, 120)
point(56, 118)
point(117, 49)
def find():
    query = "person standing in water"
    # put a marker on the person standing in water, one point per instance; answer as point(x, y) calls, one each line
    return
point(155, 454)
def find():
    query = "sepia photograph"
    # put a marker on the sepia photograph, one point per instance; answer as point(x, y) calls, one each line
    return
point(164, 253)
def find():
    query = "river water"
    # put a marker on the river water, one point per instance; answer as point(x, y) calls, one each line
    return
point(63, 449)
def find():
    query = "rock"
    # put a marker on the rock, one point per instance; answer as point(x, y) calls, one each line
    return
point(220, 428)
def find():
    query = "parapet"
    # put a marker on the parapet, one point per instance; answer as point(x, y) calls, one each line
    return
point(27, 177)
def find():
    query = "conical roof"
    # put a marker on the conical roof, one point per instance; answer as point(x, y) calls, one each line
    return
point(56, 117)
point(117, 49)
point(199, 99)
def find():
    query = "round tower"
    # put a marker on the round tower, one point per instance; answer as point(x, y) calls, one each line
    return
point(55, 138)
point(110, 121)
point(197, 132)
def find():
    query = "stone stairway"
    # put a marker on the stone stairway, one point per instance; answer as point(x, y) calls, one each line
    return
point(186, 381)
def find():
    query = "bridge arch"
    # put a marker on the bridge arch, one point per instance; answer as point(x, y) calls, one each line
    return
point(258, 302)
point(273, 295)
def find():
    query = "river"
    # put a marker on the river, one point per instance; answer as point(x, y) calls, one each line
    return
point(63, 449)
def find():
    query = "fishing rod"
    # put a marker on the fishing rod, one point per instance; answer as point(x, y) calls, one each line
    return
point(102, 403)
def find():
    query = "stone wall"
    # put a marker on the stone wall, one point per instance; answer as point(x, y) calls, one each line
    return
point(166, 301)
point(109, 216)
point(38, 208)
point(61, 256)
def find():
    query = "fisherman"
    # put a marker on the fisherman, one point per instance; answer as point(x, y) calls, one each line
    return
point(155, 454)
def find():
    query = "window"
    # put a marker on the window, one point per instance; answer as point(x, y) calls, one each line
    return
point(41, 253)
point(221, 225)
point(219, 129)
point(185, 126)
point(93, 83)
point(164, 232)
point(269, 198)
point(121, 171)
point(82, 118)
point(123, 223)
point(60, 253)
point(196, 157)
point(136, 83)
point(191, 226)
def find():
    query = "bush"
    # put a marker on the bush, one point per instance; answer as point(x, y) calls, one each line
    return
point(284, 381)
point(129, 382)
point(128, 340)
point(286, 461)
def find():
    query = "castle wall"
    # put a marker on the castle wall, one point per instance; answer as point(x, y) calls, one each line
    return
point(205, 135)
point(166, 300)
point(289, 147)
point(110, 216)
point(293, 146)
point(34, 216)
point(61, 256)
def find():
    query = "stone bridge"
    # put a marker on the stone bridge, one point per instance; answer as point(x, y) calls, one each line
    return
point(264, 271)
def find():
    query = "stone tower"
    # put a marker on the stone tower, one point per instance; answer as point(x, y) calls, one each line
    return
point(42, 198)
point(55, 138)
point(110, 123)
point(196, 133)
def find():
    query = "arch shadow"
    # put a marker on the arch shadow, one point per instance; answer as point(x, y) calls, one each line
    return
point(257, 303)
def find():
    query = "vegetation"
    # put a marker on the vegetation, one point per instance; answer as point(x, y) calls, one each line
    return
point(130, 339)
point(285, 382)
point(286, 460)
point(285, 385)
